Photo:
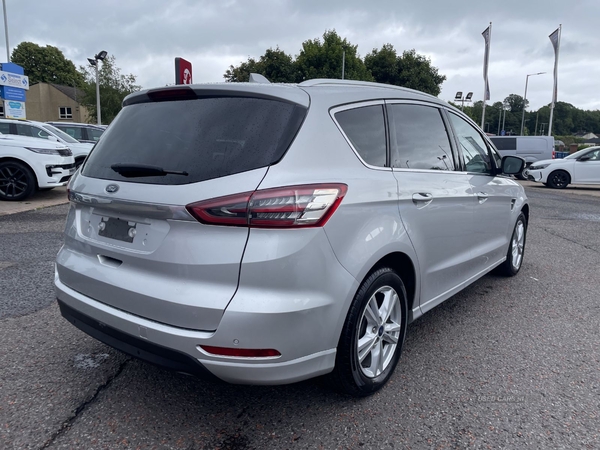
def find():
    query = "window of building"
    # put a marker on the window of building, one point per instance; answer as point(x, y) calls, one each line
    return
point(65, 112)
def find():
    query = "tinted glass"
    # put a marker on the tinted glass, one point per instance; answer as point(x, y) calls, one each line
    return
point(419, 138)
point(26, 130)
point(74, 132)
point(61, 134)
point(94, 134)
point(504, 143)
point(207, 138)
point(365, 128)
point(473, 147)
point(5, 128)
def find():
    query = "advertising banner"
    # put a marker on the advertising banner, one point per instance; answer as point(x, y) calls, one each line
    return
point(14, 110)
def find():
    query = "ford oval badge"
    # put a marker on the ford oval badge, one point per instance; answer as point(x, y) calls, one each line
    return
point(112, 188)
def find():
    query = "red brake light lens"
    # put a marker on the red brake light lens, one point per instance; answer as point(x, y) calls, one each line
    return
point(161, 95)
point(286, 207)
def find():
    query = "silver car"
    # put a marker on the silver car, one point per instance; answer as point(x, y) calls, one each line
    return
point(266, 234)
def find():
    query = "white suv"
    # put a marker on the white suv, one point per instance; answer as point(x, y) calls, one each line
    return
point(46, 131)
point(28, 163)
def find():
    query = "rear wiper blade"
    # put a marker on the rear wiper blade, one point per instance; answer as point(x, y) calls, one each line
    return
point(143, 170)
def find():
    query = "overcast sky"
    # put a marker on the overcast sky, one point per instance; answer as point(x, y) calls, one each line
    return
point(146, 36)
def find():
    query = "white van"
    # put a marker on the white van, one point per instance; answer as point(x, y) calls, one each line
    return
point(530, 148)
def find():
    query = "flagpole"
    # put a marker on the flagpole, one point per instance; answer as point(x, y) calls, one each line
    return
point(485, 65)
point(555, 89)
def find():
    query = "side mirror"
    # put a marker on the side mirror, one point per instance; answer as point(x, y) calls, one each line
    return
point(584, 158)
point(52, 138)
point(512, 165)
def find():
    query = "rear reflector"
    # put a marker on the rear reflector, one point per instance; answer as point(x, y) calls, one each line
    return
point(241, 352)
point(286, 207)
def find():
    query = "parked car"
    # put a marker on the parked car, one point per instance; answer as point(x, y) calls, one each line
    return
point(531, 148)
point(27, 164)
point(83, 132)
point(582, 167)
point(266, 233)
point(45, 131)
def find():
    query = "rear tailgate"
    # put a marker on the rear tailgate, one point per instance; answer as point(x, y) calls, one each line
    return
point(130, 242)
point(173, 270)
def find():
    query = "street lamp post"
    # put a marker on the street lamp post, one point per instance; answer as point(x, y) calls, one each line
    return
point(101, 56)
point(525, 98)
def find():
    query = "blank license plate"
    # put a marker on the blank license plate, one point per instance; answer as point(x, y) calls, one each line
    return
point(117, 229)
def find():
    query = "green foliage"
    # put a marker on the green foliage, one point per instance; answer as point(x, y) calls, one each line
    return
point(276, 65)
point(114, 87)
point(46, 64)
point(410, 70)
point(323, 58)
point(514, 103)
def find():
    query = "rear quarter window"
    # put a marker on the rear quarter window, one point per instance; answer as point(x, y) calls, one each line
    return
point(207, 138)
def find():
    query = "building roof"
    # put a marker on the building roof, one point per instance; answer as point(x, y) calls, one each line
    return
point(70, 91)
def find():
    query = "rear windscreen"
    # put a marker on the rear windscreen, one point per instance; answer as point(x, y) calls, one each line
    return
point(207, 138)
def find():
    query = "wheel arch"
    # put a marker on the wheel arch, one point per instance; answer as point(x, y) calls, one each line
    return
point(403, 265)
point(20, 161)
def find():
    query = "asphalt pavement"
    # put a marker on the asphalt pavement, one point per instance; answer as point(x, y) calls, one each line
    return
point(507, 363)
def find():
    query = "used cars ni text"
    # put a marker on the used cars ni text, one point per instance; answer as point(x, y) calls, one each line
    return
point(266, 233)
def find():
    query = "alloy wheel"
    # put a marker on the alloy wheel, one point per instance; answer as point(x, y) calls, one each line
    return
point(379, 331)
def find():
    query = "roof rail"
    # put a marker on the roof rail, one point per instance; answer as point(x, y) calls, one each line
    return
point(258, 78)
point(337, 82)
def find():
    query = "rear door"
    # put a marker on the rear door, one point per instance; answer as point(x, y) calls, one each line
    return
point(435, 198)
point(130, 242)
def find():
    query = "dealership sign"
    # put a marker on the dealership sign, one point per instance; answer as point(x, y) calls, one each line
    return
point(11, 93)
point(183, 71)
point(13, 79)
point(14, 110)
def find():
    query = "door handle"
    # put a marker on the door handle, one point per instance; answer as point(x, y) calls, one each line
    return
point(482, 197)
point(422, 199)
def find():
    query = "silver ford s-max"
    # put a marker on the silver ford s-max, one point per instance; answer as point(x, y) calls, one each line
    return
point(267, 233)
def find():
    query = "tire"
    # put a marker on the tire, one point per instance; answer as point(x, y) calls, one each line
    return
point(361, 373)
point(17, 181)
point(559, 179)
point(516, 249)
point(523, 174)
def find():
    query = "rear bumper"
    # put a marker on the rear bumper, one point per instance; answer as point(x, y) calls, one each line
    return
point(177, 348)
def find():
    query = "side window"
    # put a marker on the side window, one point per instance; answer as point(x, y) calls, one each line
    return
point(419, 138)
point(594, 156)
point(365, 128)
point(473, 147)
point(74, 132)
point(94, 134)
point(25, 130)
point(5, 128)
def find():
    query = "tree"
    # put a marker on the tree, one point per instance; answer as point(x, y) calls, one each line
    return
point(410, 70)
point(324, 59)
point(514, 103)
point(276, 65)
point(46, 64)
point(114, 87)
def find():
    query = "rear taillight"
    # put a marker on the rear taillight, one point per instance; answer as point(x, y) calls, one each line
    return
point(286, 207)
point(553, 154)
